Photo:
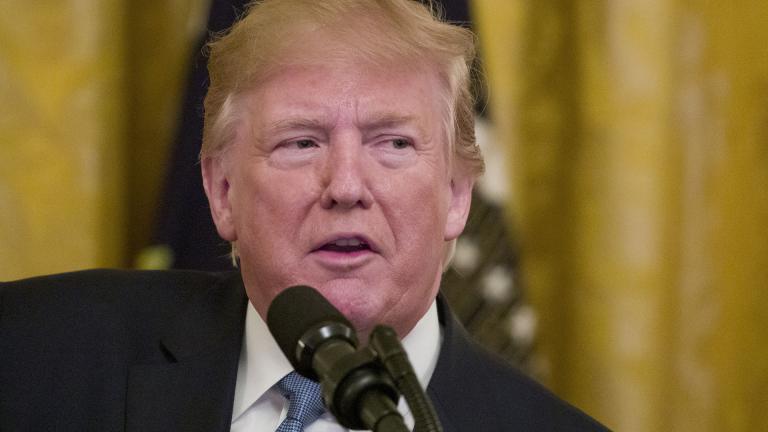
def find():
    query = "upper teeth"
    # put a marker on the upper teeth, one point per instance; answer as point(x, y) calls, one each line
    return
point(348, 242)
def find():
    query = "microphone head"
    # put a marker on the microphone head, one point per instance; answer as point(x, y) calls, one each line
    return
point(300, 319)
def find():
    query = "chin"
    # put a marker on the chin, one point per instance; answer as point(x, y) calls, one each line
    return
point(363, 312)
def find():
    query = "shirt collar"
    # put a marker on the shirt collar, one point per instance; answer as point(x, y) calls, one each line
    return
point(262, 363)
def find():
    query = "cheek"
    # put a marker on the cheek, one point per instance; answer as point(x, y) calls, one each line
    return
point(423, 200)
point(258, 208)
point(420, 217)
point(266, 195)
point(266, 245)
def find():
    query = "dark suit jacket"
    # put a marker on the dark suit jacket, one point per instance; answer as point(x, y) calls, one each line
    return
point(109, 350)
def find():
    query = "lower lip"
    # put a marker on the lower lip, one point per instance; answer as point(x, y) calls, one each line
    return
point(343, 260)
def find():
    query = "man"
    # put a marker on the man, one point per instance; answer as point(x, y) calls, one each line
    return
point(338, 152)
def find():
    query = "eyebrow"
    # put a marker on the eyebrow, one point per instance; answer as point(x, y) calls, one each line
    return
point(295, 123)
point(385, 120)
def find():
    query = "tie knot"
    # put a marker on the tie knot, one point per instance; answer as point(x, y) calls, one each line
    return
point(305, 403)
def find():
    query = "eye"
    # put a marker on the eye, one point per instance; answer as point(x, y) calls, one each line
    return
point(400, 143)
point(304, 143)
point(295, 152)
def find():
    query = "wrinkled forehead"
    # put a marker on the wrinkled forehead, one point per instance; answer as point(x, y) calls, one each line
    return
point(318, 95)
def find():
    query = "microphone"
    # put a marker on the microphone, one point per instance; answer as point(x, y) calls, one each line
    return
point(301, 320)
point(321, 344)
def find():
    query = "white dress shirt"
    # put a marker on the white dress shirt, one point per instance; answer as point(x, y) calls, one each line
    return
point(259, 406)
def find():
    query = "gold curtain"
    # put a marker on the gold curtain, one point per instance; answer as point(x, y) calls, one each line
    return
point(89, 95)
point(638, 141)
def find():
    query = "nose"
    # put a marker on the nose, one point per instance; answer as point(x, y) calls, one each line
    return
point(345, 178)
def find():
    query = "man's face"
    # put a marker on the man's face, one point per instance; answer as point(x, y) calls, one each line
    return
point(338, 179)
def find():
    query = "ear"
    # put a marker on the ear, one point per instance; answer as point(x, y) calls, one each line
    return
point(458, 206)
point(216, 184)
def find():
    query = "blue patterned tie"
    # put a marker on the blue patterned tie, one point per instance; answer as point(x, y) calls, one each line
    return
point(305, 404)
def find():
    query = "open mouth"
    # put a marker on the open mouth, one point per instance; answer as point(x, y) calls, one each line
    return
point(346, 245)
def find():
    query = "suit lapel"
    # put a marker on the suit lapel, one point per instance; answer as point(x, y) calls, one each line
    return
point(193, 389)
point(442, 389)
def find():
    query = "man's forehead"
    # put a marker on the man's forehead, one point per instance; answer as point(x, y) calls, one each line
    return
point(311, 95)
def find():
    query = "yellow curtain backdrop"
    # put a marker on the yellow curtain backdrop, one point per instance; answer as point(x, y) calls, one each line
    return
point(89, 95)
point(638, 141)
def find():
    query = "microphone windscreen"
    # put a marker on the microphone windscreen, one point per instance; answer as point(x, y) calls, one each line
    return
point(295, 311)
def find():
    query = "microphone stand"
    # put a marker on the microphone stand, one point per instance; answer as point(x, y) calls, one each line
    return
point(362, 386)
point(391, 354)
point(357, 389)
